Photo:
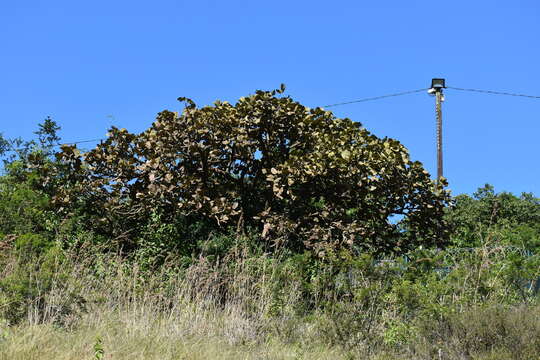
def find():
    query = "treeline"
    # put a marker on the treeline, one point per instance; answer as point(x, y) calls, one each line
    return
point(298, 178)
point(301, 178)
point(283, 210)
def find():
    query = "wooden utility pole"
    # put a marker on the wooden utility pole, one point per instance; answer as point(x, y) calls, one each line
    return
point(437, 86)
point(438, 101)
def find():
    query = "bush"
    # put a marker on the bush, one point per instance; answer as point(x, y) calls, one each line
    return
point(31, 245)
point(32, 269)
point(484, 332)
point(514, 220)
point(23, 209)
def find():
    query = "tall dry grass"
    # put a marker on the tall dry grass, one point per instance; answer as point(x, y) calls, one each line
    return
point(248, 307)
point(209, 311)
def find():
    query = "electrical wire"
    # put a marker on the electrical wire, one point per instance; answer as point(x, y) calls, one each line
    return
point(493, 92)
point(57, 145)
point(376, 97)
point(330, 105)
point(354, 102)
point(81, 142)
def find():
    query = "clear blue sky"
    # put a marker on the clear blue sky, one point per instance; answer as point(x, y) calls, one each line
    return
point(93, 64)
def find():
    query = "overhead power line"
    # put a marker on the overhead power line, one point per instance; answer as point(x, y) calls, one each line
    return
point(358, 101)
point(11, 148)
point(493, 92)
point(81, 142)
point(377, 97)
point(420, 90)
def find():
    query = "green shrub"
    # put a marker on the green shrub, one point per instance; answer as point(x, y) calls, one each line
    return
point(513, 220)
point(32, 245)
point(22, 209)
point(34, 268)
point(484, 332)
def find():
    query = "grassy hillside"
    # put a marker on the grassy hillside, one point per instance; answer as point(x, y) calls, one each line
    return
point(303, 237)
point(254, 306)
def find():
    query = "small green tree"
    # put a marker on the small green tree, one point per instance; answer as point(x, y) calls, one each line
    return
point(4, 145)
point(48, 135)
point(32, 151)
point(25, 205)
point(486, 212)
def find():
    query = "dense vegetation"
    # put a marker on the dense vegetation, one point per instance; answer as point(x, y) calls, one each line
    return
point(256, 224)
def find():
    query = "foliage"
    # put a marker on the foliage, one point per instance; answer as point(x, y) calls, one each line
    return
point(265, 220)
point(432, 301)
point(32, 152)
point(48, 135)
point(23, 209)
point(365, 303)
point(516, 220)
point(301, 176)
point(25, 205)
point(35, 273)
point(99, 352)
point(181, 237)
point(483, 332)
point(4, 145)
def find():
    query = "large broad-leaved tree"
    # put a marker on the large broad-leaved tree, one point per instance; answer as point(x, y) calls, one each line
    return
point(300, 177)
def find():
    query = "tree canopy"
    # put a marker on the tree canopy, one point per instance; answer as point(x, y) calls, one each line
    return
point(301, 177)
point(474, 217)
